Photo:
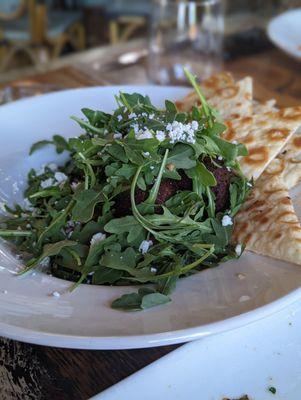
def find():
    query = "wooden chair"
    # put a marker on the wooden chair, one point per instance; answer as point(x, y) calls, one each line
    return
point(38, 30)
point(126, 17)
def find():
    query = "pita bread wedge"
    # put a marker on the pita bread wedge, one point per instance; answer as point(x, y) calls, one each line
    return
point(290, 161)
point(267, 223)
point(231, 99)
point(264, 134)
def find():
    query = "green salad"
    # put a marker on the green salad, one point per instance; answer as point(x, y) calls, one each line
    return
point(147, 196)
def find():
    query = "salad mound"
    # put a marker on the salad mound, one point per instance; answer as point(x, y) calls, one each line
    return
point(146, 196)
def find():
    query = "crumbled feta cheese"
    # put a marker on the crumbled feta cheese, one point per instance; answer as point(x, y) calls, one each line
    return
point(244, 298)
point(238, 249)
point(60, 177)
point(151, 116)
point(74, 185)
point(41, 171)
point(249, 184)
point(241, 276)
point(228, 169)
point(220, 158)
point(146, 134)
point(144, 246)
point(117, 136)
point(28, 226)
point(119, 118)
point(234, 142)
point(153, 270)
point(132, 115)
point(56, 294)
point(47, 183)
point(27, 204)
point(177, 131)
point(136, 128)
point(227, 220)
point(45, 262)
point(98, 237)
point(146, 153)
point(144, 114)
point(2, 206)
point(53, 167)
point(152, 167)
point(195, 125)
point(160, 135)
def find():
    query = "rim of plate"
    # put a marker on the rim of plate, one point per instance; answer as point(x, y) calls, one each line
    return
point(148, 340)
point(273, 36)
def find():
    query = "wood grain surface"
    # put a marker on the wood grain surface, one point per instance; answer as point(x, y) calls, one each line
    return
point(44, 373)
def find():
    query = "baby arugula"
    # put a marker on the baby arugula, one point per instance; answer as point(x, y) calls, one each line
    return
point(72, 218)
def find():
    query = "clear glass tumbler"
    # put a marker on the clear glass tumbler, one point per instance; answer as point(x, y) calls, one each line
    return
point(185, 33)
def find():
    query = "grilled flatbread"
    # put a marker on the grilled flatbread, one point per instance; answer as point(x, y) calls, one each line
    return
point(264, 134)
point(231, 99)
point(290, 161)
point(267, 223)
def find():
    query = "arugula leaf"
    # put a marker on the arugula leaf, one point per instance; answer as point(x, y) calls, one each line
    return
point(49, 250)
point(86, 201)
point(181, 156)
point(140, 301)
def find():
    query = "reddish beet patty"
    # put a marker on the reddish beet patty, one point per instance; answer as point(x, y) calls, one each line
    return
point(169, 187)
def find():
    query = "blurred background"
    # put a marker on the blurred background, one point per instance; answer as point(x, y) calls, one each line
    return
point(97, 36)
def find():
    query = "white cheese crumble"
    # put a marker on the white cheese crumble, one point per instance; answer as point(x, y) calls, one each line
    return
point(119, 118)
point(153, 270)
point(53, 167)
point(98, 237)
point(238, 249)
point(177, 131)
point(74, 185)
point(117, 136)
point(47, 183)
point(220, 158)
point(249, 184)
point(151, 116)
point(227, 220)
point(60, 177)
point(146, 134)
point(234, 142)
point(146, 153)
point(160, 135)
point(244, 298)
point(132, 115)
point(144, 246)
point(56, 294)
point(45, 262)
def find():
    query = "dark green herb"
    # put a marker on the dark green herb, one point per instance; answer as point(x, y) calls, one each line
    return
point(74, 214)
point(272, 389)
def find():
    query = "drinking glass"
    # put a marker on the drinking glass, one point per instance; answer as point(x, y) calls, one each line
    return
point(185, 34)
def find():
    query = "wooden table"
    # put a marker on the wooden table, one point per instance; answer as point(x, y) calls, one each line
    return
point(44, 373)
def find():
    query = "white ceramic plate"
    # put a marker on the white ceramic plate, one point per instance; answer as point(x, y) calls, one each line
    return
point(249, 360)
point(285, 32)
point(209, 302)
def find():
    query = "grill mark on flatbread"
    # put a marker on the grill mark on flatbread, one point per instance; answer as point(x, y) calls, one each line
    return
point(264, 135)
point(267, 223)
point(232, 99)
